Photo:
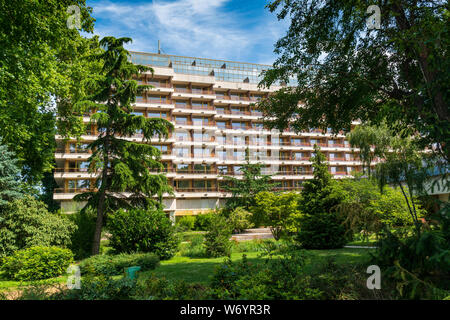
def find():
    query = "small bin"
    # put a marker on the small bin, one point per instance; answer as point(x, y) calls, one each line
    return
point(131, 272)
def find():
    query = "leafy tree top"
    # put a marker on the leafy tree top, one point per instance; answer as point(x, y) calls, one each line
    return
point(347, 71)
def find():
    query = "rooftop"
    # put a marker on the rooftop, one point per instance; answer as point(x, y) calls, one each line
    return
point(222, 70)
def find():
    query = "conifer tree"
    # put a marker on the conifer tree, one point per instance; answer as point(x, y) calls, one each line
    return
point(124, 167)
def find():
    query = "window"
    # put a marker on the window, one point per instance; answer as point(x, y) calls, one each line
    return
point(298, 155)
point(162, 148)
point(221, 124)
point(182, 152)
point(182, 184)
point(181, 136)
point(181, 120)
point(181, 103)
point(183, 168)
point(222, 169)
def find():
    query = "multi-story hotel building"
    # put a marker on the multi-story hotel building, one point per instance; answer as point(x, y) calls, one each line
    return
point(211, 104)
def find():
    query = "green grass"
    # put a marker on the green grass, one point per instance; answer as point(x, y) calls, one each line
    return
point(200, 270)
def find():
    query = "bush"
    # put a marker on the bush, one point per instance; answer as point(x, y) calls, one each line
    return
point(139, 230)
point(37, 263)
point(278, 211)
point(27, 223)
point(82, 238)
point(217, 241)
point(110, 265)
point(154, 288)
point(202, 221)
point(186, 223)
point(322, 231)
point(280, 276)
point(100, 288)
point(239, 219)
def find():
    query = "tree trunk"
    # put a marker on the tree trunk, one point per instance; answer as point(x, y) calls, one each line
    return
point(98, 225)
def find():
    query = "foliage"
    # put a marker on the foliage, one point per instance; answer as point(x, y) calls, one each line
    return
point(343, 70)
point(240, 219)
point(195, 247)
point(278, 211)
point(100, 288)
point(366, 209)
point(110, 265)
point(41, 63)
point(26, 223)
point(81, 240)
point(10, 186)
point(186, 223)
point(243, 190)
point(404, 167)
point(37, 263)
point(279, 277)
point(367, 138)
point(322, 231)
point(154, 288)
point(202, 221)
point(217, 241)
point(321, 226)
point(139, 230)
point(123, 165)
point(418, 265)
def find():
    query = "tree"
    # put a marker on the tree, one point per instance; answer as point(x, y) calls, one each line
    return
point(320, 225)
point(366, 209)
point(343, 69)
point(277, 211)
point(243, 190)
point(404, 168)
point(39, 55)
point(372, 141)
point(10, 185)
point(123, 166)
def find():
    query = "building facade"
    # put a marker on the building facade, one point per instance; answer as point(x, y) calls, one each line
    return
point(211, 104)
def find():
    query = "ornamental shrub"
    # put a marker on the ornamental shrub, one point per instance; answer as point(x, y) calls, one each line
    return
point(37, 263)
point(217, 239)
point(110, 265)
point(186, 223)
point(202, 221)
point(322, 231)
point(27, 223)
point(82, 238)
point(138, 230)
point(239, 219)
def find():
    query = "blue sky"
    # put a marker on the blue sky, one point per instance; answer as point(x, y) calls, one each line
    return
point(238, 30)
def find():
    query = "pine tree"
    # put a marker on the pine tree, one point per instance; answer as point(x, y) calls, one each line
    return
point(320, 225)
point(10, 185)
point(124, 166)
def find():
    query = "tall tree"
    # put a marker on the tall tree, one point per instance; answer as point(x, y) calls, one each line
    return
point(35, 73)
point(243, 191)
point(404, 167)
point(372, 141)
point(342, 67)
point(320, 225)
point(123, 166)
point(10, 186)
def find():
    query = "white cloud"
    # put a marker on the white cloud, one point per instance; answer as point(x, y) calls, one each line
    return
point(192, 28)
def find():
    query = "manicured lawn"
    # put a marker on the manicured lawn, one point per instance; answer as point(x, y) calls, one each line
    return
point(201, 269)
